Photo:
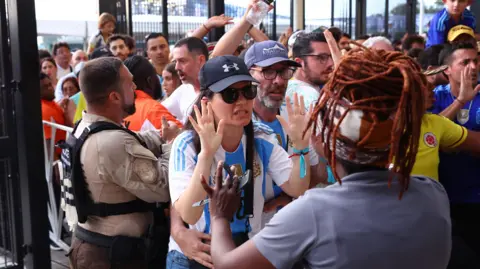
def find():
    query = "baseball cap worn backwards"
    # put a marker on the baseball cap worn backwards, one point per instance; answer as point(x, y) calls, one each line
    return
point(220, 72)
point(267, 53)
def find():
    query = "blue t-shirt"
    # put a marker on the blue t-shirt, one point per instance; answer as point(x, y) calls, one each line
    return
point(459, 172)
point(442, 22)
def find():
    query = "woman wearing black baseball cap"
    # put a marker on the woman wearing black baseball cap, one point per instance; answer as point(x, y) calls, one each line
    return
point(221, 132)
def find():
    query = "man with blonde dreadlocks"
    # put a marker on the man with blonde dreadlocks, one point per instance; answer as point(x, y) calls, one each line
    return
point(376, 215)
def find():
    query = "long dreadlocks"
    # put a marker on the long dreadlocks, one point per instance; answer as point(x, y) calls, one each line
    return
point(370, 112)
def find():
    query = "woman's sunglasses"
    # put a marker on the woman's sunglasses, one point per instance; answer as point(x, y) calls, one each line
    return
point(231, 95)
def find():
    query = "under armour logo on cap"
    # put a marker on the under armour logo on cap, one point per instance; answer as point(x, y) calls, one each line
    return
point(227, 68)
point(220, 72)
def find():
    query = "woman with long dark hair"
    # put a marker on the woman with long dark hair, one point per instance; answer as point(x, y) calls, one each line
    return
point(221, 130)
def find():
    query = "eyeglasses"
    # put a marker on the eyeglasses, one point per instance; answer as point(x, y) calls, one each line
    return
point(322, 58)
point(271, 74)
point(231, 95)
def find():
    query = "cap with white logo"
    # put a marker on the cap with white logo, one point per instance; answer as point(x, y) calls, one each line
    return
point(267, 53)
point(222, 71)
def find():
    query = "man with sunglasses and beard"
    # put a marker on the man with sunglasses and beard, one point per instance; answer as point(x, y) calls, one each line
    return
point(110, 199)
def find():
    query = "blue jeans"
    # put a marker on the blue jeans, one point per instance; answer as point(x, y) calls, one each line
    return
point(176, 260)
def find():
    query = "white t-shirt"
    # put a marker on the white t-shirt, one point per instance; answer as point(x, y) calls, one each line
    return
point(268, 154)
point(96, 41)
point(63, 72)
point(310, 94)
point(180, 102)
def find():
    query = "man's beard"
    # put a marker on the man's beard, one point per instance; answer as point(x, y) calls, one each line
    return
point(314, 80)
point(48, 97)
point(270, 104)
point(122, 56)
point(129, 109)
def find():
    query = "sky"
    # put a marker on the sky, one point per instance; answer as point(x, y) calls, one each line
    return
point(70, 10)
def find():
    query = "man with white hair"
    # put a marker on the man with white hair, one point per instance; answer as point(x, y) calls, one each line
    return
point(379, 43)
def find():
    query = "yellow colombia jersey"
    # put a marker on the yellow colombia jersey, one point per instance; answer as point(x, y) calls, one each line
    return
point(81, 106)
point(436, 132)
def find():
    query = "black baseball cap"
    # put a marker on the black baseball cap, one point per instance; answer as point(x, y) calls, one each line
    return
point(222, 71)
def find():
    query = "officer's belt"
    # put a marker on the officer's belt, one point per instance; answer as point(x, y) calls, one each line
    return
point(120, 248)
point(98, 239)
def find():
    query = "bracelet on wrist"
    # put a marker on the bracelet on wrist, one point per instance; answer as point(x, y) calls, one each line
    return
point(250, 28)
point(323, 160)
point(303, 164)
point(206, 28)
point(462, 103)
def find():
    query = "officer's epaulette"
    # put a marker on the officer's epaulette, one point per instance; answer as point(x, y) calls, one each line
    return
point(259, 127)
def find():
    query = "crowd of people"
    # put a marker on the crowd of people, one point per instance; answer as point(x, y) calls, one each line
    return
point(313, 151)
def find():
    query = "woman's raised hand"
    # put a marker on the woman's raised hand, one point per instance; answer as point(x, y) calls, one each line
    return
point(298, 118)
point(210, 138)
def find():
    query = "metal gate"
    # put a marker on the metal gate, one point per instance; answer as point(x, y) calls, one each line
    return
point(24, 226)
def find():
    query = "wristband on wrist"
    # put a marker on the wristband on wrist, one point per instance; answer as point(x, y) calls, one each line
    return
point(330, 177)
point(303, 165)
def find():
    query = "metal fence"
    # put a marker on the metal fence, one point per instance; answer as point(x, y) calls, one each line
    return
point(10, 231)
point(55, 211)
point(185, 16)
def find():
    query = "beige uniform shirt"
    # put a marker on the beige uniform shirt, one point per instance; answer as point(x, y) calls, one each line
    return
point(119, 169)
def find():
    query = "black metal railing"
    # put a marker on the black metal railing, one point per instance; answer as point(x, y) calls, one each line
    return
point(9, 228)
point(24, 239)
point(185, 16)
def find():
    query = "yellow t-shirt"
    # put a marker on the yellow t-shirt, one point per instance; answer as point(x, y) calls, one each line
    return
point(81, 106)
point(436, 132)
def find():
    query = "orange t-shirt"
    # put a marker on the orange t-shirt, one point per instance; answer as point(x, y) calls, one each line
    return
point(50, 110)
point(148, 109)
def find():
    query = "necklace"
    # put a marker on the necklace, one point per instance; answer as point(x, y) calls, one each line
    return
point(464, 114)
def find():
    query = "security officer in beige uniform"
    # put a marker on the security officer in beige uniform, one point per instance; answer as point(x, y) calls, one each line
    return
point(124, 174)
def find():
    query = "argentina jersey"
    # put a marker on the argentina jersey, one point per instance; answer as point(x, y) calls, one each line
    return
point(272, 189)
point(271, 162)
point(284, 141)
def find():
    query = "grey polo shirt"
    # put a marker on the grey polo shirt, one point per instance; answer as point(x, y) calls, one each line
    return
point(362, 224)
